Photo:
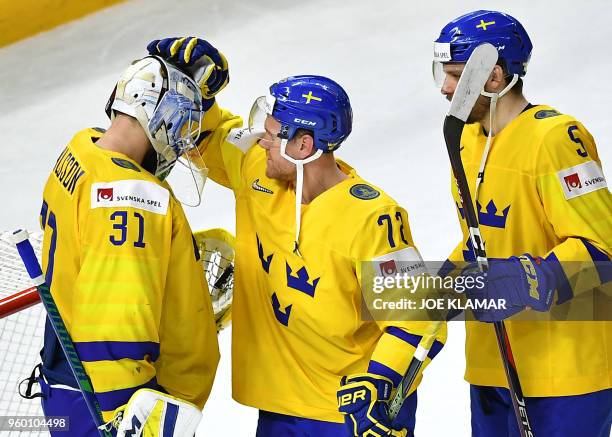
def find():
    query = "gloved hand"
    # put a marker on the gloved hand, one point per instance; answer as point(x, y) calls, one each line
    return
point(363, 398)
point(206, 65)
point(521, 281)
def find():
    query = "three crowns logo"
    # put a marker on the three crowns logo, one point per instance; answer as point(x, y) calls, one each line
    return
point(489, 217)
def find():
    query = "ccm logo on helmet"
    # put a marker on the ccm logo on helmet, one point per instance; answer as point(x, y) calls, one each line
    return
point(304, 122)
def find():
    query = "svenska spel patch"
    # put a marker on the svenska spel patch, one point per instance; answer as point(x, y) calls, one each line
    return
point(442, 52)
point(133, 193)
point(406, 261)
point(581, 179)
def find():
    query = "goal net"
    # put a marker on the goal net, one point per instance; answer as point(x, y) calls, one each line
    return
point(21, 332)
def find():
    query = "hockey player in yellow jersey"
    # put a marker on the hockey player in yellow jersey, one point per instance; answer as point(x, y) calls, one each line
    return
point(542, 202)
point(122, 265)
point(301, 352)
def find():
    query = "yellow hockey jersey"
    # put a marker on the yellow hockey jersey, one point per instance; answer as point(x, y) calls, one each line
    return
point(543, 193)
point(297, 325)
point(123, 269)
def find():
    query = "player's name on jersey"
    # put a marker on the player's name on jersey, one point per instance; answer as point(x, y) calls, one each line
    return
point(68, 171)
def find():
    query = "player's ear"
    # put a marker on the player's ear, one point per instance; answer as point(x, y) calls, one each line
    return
point(306, 143)
point(496, 80)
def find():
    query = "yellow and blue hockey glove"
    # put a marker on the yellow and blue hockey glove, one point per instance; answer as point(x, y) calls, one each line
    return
point(156, 414)
point(206, 65)
point(363, 399)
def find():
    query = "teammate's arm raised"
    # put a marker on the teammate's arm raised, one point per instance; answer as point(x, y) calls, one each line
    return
point(222, 143)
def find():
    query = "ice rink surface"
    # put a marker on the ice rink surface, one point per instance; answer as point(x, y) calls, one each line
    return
point(57, 83)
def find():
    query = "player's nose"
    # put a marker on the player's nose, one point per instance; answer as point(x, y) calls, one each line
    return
point(445, 90)
point(448, 87)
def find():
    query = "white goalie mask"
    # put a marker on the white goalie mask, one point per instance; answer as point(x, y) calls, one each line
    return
point(168, 105)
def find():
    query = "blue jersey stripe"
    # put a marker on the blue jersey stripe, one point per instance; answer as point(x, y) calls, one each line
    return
point(404, 336)
point(382, 370)
point(414, 340)
point(117, 350)
point(110, 400)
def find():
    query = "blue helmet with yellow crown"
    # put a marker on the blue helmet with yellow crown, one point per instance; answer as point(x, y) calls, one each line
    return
point(315, 103)
point(460, 37)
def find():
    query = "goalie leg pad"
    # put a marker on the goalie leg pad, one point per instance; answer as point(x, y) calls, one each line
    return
point(150, 413)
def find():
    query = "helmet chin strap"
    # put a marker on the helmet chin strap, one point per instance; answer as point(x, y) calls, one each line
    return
point(492, 108)
point(299, 185)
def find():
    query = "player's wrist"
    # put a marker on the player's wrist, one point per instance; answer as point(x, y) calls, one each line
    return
point(538, 283)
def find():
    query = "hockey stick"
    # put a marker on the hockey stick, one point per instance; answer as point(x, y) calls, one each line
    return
point(473, 78)
point(26, 252)
point(420, 354)
point(471, 83)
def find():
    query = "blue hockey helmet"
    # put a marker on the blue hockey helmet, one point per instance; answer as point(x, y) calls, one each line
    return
point(460, 37)
point(310, 102)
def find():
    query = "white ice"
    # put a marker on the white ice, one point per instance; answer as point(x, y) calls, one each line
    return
point(57, 83)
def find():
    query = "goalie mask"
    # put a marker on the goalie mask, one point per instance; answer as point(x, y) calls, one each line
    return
point(168, 105)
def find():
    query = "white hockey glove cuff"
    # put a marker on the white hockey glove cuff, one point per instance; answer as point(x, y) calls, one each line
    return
point(155, 414)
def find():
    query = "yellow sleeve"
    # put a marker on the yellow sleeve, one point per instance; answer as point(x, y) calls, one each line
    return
point(577, 203)
point(123, 297)
point(189, 351)
point(223, 146)
point(386, 237)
